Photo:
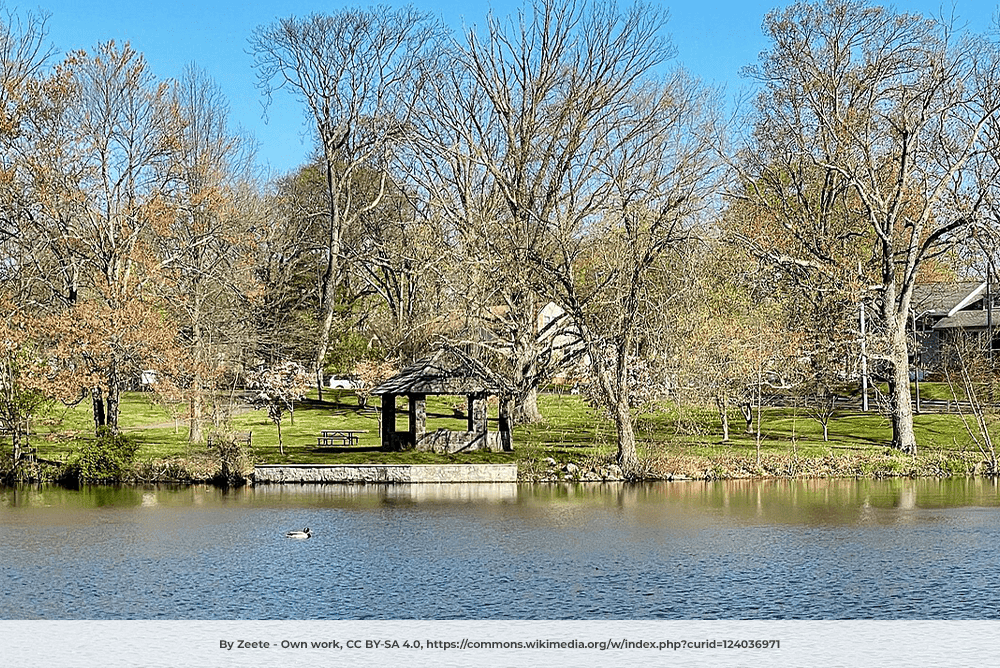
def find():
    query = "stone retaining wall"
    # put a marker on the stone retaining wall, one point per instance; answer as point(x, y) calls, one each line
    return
point(444, 441)
point(383, 473)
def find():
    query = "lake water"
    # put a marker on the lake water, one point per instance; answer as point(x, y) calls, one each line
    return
point(815, 549)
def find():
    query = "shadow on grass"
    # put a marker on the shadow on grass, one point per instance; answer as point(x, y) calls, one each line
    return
point(345, 449)
point(337, 404)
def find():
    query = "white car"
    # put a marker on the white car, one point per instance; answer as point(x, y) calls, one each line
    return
point(341, 384)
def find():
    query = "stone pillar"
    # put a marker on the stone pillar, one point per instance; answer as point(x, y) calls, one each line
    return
point(418, 417)
point(477, 414)
point(388, 421)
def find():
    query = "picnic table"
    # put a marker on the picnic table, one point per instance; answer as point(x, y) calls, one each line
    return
point(329, 438)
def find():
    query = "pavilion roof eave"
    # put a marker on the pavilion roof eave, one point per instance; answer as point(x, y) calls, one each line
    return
point(448, 371)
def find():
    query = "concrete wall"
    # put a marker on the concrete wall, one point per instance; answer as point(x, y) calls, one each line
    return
point(385, 473)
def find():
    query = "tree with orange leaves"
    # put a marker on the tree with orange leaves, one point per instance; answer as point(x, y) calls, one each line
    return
point(95, 179)
point(102, 350)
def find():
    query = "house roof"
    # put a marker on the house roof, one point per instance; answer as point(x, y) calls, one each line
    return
point(944, 298)
point(968, 320)
point(448, 371)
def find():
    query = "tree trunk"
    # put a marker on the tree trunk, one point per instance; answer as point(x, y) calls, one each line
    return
point(197, 391)
point(100, 414)
point(723, 405)
point(194, 432)
point(15, 436)
point(614, 391)
point(321, 348)
point(329, 281)
point(747, 409)
point(113, 401)
point(526, 411)
point(525, 384)
point(628, 459)
point(900, 406)
point(319, 372)
point(327, 304)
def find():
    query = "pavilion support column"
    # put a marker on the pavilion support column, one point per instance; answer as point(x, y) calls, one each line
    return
point(503, 424)
point(477, 414)
point(418, 418)
point(388, 421)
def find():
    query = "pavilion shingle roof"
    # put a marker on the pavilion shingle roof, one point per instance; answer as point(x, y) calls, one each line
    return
point(448, 371)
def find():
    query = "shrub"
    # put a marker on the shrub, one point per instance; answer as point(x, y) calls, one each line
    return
point(7, 468)
point(107, 458)
point(234, 458)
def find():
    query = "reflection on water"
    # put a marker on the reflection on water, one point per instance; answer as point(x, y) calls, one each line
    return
point(795, 501)
point(799, 549)
point(424, 492)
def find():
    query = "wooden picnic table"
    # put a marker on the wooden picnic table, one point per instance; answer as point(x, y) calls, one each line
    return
point(329, 438)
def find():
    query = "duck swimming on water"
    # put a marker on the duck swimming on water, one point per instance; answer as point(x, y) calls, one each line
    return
point(305, 533)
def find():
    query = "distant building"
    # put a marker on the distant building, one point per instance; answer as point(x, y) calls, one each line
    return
point(945, 312)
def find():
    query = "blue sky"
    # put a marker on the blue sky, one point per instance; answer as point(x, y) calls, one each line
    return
point(714, 38)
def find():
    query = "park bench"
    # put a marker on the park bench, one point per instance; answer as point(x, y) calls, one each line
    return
point(329, 438)
point(245, 438)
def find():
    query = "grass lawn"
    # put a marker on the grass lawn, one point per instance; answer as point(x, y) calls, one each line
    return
point(688, 439)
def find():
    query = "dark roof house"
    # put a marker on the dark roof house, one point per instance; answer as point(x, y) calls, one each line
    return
point(946, 310)
point(938, 300)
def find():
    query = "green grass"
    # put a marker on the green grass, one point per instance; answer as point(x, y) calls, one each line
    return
point(571, 431)
point(164, 436)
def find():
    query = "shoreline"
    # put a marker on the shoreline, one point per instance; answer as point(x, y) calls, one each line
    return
point(663, 467)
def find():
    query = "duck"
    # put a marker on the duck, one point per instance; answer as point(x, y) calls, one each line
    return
point(305, 533)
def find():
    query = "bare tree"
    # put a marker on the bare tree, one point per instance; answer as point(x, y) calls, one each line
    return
point(359, 73)
point(569, 167)
point(512, 129)
point(971, 377)
point(277, 388)
point(872, 131)
point(24, 54)
point(616, 254)
point(204, 251)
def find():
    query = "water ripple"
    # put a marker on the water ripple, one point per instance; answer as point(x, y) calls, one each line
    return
point(618, 553)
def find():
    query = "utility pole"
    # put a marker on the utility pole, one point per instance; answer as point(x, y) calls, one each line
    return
point(916, 359)
point(864, 362)
point(989, 310)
